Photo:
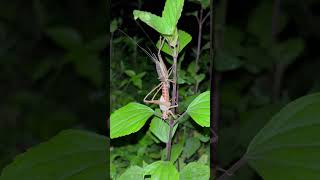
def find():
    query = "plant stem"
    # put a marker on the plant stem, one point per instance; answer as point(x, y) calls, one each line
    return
point(233, 169)
point(174, 102)
point(169, 143)
point(199, 19)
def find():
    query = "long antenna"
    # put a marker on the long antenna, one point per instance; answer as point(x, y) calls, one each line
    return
point(147, 35)
point(150, 54)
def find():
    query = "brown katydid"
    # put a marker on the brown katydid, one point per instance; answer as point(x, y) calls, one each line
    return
point(164, 85)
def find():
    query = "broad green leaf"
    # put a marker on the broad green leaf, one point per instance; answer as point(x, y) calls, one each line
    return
point(191, 147)
point(129, 119)
point(195, 171)
point(132, 173)
point(65, 37)
point(161, 129)
point(72, 154)
point(226, 61)
point(199, 109)
point(286, 52)
point(154, 21)
point(184, 40)
point(289, 142)
point(166, 24)
point(161, 170)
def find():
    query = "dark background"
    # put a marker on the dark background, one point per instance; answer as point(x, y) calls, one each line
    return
point(53, 59)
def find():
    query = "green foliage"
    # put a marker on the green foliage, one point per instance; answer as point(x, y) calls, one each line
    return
point(184, 39)
point(191, 146)
point(288, 142)
point(199, 109)
point(71, 154)
point(195, 171)
point(166, 24)
point(160, 129)
point(129, 119)
point(162, 170)
point(132, 173)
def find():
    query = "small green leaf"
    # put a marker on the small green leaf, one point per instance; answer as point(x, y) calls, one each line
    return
point(289, 142)
point(195, 171)
point(72, 154)
point(176, 151)
point(191, 147)
point(199, 109)
point(129, 119)
point(132, 173)
point(199, 77)
point(137, 82)
point(161, 129)
point(130, 73)
point(184, 40)
point(162, 170)
point(192, 68)
point(113, 26)
point(65, 37)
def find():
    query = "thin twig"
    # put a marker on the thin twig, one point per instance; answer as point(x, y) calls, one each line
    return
point(199, 19)
point(228, 173)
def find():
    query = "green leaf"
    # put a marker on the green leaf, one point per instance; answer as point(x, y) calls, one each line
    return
point(225, 61)
point(200, 77)
point(199, 109)
point(132, 173)
point(161, 129)
point(195, 171)
point(289, 142)
point(166, 24)
point(72, 154)
point(65, 37)
point(129, 119)
point(130, 73)
point(286, 52)
point(191, 147)
point(113, 26)
point(162, 170)
point(184, 40)
point(137, 82)
point(176, 151)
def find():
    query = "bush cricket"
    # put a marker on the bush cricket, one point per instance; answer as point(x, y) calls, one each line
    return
point(164, 85)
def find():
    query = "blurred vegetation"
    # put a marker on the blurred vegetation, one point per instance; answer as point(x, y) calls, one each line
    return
point(52, 56)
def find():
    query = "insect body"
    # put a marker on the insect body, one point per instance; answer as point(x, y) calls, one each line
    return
point(163, 76)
